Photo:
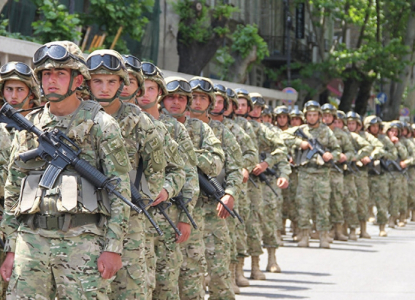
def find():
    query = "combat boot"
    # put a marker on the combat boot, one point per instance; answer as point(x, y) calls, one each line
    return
point(371, 214)
point(256, 273)
point(283, 232)
point(314, 235)
point(402, 217)
point(413, 215)
point(272, 265)
point(363, 230)
point(324, 243)
point(304, 238)
point(382, 231)
point(339, 236)
point(239, 276)
point(391, 223)
point(345, 228)
point(235, 288)
point(352, 234)
point(294, 227)
point(279, 239)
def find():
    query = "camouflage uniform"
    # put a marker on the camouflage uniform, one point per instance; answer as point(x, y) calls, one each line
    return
point(142, 142)
point(210, 159)
point(216, 233)
point(403, 202)
point(72, 254)
point(410, 161)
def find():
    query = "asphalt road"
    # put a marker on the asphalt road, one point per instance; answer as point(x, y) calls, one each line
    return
point(378, 269)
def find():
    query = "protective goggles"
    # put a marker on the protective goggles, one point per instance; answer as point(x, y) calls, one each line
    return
point(376, 120)
point(19, 67)
point(133, 62)
point(174, 85)
point(242, 91)
point(220, 88)
point(311, 104)
point(258, 101)
point(281, 111)
point(107, 61)
point(231, 93)
point(202, 84)
point(54, 52)
point(150, 69)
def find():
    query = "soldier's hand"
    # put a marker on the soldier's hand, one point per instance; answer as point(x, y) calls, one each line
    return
point(228, 201)
point(366, 160)
point(305, 145)
point(163, 196)
point(282, 183)
point(394, 139)
point(403, 164)
point(343, 158)
point(327, 156)
point(7, 267)
point(185, 229)
point(259, 168)
point(108, 264)
point(245, 174)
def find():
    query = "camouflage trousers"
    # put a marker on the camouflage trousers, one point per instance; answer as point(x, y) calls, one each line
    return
point(411, 188)
point(362, 187)
point(163, 258)
point(217, 243)
point(62, 267)
point(396, 182)
point(193, 268)
point(253, 224)
point(379, 191)
point(130, 281)
point(313, 192)
point(402, 201)
point(336, 197)
point(3, 284)
point(244, 211)
point(271, 216)
point(350, 200)
point(289, 206)
point(231, 223)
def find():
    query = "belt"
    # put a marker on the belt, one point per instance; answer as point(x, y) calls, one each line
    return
point(58, 222)
point(315, 166)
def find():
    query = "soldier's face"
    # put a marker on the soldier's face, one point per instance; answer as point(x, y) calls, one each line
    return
point(128, 90)
point(104, 86)
point(338, 123)
point(219, 104)
point(56, 80)
point(230, 109)
point(328, 118)
point(266, 119)
point(393, 132)
point(175, 103)
point(282, 120)
point(200, 101)
point(15, 91)
point(151, 94)
point(359, 127)
point(312, 117)
point(374, 129)
point(256, 112)
point(296, 121)
point(243, 107)
point(404, 132)
point(352, 125)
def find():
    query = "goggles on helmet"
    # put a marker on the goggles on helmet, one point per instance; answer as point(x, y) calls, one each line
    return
point(230, 93)
point(108, 61)
point(150, 69)
point(54, 52)
point(220, 88)
point(174, 85)
point(242, 91)
point(258, 101)
point(281, 110)
point(202, 84)
point(133, 62)
point(19, 67)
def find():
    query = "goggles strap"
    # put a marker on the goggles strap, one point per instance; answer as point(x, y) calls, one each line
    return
point(128, 98)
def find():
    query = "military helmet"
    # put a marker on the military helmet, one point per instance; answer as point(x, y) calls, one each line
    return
point(267, 111)
point(21, 72)
point(295, 112)
point(407, 126)
point(179, 85)
point(133, 65)
point(353, 116)
point(312, 105)
point(393, 124)
point(242, 93)
point(329, 109)
point(257, 99)
point(281, 110)
point(221, 91)
point(371, 120)
point(203, 85)
point(341, 116)
point(107, 61)
point(60, 54)
point(152, 72)
point(232, 96)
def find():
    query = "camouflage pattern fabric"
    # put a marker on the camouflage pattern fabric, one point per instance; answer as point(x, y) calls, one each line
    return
point(336, 197)
point(241, 229)
point(398, 196)
point(410, 161)
point(253, 227)
point(350, 200)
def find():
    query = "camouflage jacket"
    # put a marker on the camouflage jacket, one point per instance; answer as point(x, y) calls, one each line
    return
point(344, 142)
point(361, 146)
point(270, 143)
point(389, 149)
point(100, 139)
point(245, 125)
point(5, 146)
point(377, 151)
point(233, 157)
point(410, 146)
point(249, 151)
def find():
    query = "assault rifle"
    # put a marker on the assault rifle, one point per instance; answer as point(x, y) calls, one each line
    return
point(351, 167)
point(162, 207)
point(269, 171)
point(180, 201)
point(391, 165)
point(317, 148)
point(211, 187)
point(60, 151)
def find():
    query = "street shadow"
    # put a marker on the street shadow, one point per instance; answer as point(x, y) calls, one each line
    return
point(280, 287)
point(306, 273)
point(299, 281)
point(271, 296)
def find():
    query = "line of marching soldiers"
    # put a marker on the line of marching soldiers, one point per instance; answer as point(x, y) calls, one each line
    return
point(205, 175)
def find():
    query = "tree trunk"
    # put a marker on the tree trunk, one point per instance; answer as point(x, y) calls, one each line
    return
point(363, 95)
point(351, 86)
point(238, 70)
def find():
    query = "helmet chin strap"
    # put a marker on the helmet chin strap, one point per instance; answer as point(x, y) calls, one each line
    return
point(128, 98)
point(313, 123)
point(230, 116)
point(218, 113)
point(116, 96)
point(147, 106)
point(200, 112)
point(20, 105)
point(67, 94)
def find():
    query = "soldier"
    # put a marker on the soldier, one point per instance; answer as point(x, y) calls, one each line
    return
point(136, 88)
point(216, 233)
point(168, 257)
point(249, 158)
point(274, 153)
point(210, 158)
point(80, 241)
point(108, 76)
point(410, 161)
point(313, 190)
point(378, 189)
